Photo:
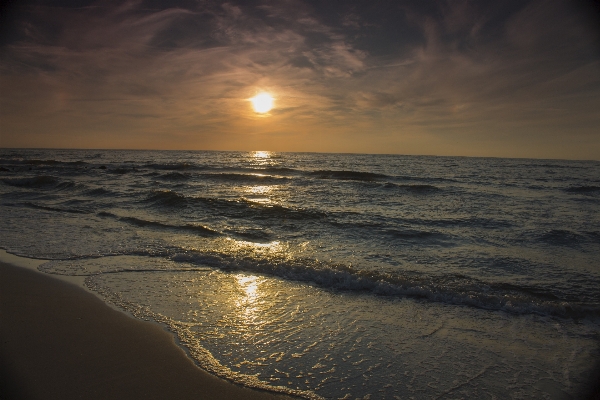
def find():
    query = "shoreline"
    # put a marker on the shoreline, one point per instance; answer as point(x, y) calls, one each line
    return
point(59, 341)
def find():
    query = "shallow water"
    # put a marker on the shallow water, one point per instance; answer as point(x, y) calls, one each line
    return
point(336, 276)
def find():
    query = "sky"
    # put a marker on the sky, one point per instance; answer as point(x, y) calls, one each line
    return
point(510, 78)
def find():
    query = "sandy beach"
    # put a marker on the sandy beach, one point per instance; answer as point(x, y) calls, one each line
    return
point(60, 342)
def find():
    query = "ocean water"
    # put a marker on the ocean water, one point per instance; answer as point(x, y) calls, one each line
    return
point(332, 275)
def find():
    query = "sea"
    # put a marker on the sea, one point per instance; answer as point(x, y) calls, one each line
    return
point(336, 276)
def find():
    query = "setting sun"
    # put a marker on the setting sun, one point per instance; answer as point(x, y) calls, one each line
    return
point(262, 102)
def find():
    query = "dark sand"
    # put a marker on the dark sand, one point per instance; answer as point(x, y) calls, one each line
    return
point(58, 341)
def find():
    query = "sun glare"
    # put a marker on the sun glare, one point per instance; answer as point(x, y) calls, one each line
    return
point(262, 103)
point(262, 154)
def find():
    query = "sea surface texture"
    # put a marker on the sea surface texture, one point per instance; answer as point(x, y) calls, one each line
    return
point(332, 275)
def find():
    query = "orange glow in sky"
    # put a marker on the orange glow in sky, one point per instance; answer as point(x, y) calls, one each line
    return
point(450, 78)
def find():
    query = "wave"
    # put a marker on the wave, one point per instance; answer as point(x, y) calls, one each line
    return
point(276, 170)
point(583, 189)
point(56, 209)
point(12, 160)
point(253, 234)
point(478, 222)
point(244, 177)
point(423, 179)
point(410, 234)
point(561, 237)
point(47, 208)
point(283, 172)
point(55, 162)
point(549, 165)
point(120, 170)
point(259, 170)
point(388, 229)
point(98, 192)
point(419, 188)
point(183, 166)
point(33, 182)
point(451, 288)
point(415, 188)
point(197, 229)
point(240, 208)
point(113, 264)
point(346, 175)
point(175, 176)
point(41, 162)
point(468, 222)
point(455, 289)
point(68, 186)
point(244, 208)
point(44, 182)
point(167, 198)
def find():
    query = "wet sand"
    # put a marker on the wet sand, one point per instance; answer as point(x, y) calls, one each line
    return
point(57, 341)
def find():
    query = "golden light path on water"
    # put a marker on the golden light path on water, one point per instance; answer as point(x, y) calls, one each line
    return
point(261, 155)
point(261, 193)
point(247, 303)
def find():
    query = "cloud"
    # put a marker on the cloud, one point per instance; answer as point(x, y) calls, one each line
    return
point(155, 74)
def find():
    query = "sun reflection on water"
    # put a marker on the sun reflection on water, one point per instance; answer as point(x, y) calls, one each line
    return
point(250, 292)
point(260, 189)
point(262, 158)
point(249, 285)
point(249, 301)
point(243, 244)
point(259, 194)
point(262, 154)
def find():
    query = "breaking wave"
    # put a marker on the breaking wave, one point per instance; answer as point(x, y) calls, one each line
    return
point(451, 288)
point(447, 288)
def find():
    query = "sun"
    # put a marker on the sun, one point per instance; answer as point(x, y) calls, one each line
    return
point(262, 102)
